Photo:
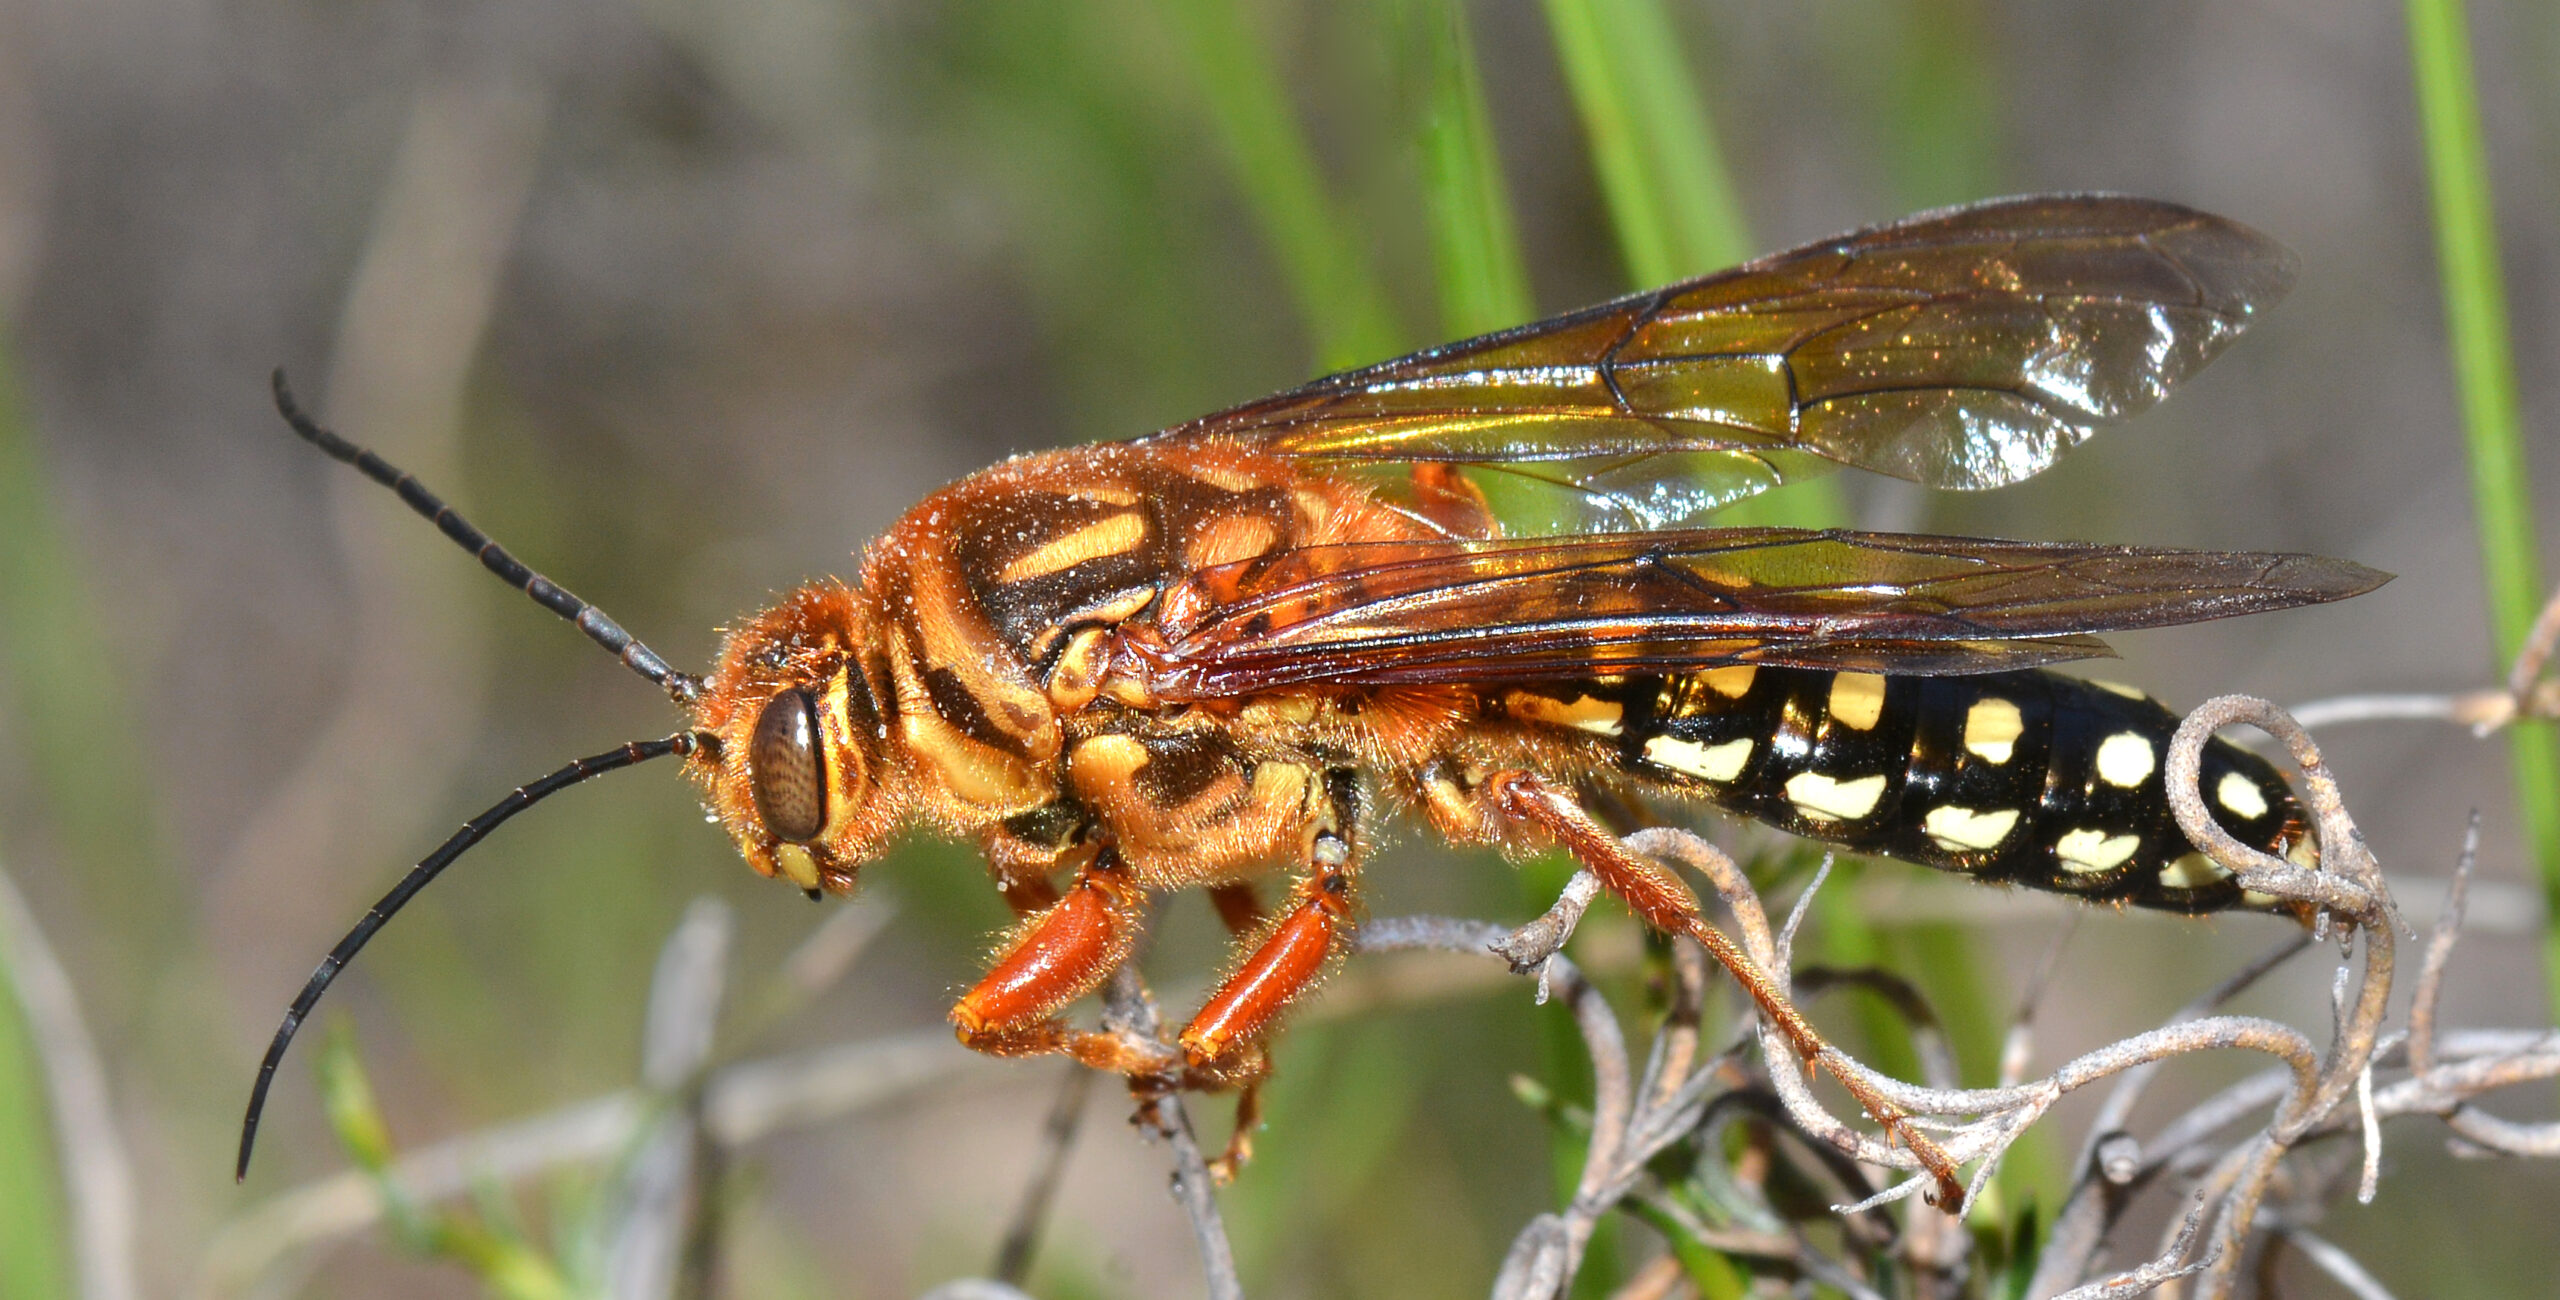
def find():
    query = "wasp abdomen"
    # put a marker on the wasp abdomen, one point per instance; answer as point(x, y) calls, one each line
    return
point(2030, 778)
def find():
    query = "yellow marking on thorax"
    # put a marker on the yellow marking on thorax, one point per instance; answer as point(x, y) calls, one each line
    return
point(953, 635)
point(1721, 762)
point(1225, 478)
point(1582, 712)
point(984, 777)
point(1992, 727)
point(976, 774)
point(1732, 682)
point(1078, 676)
point(1279, 711)
point(1857, 700)
point(1829, 799)
point(1107, 761)
point(2118, 688)
point(1312, 506)
point(1229, 538)
point(1106, 494)
point(1104, 537)
point(1279, 789)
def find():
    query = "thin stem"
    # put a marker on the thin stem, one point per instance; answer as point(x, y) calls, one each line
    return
point(2484, 377)
point(1475, 243)
point(1273, 163)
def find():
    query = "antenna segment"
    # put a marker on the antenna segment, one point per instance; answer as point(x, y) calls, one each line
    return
point(684, 688)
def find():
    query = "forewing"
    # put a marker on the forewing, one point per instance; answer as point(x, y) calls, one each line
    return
point(1965, 348)
point(1519, 609)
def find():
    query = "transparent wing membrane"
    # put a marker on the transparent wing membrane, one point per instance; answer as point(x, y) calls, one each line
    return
point(1966, 348)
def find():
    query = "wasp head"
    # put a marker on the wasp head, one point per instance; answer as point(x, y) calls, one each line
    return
point(798, 774)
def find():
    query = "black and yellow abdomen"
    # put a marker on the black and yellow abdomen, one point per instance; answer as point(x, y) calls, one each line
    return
point(2027, 778)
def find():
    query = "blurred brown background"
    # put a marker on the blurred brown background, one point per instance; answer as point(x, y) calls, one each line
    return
point(684, 301)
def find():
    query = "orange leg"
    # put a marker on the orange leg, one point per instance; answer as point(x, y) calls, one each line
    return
point(1060, 956)
point(1287, 962)
point(1667, 905)
point(1240, 910)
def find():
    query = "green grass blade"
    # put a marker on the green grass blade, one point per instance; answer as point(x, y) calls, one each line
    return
point(2484, 376)
point(33, 1259)
point(56, 673)
point(1701, 210)
point(1926, 82)
point(1652, 143)
point(1344, 308)
point(1670, 197)
point(1475, 242)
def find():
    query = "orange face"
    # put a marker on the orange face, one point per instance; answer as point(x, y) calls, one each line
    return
point(799, 777)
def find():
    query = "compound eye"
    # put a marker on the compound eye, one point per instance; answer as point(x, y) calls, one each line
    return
point(785, 769)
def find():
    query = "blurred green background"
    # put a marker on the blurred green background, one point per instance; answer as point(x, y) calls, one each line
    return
point(684, 301)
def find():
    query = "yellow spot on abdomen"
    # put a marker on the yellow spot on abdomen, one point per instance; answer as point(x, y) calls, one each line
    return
point(2241, 795)
point(2304, 852)
point(1732, 682)
point(1992, 727)
point(1963, 830)
point(1707, 762)
point(2089, 851)
point(1582, 712)
point(1857, 700)
point(1105, 537)
point(2124, 759)
point(2191, 871)
point(1827, 799)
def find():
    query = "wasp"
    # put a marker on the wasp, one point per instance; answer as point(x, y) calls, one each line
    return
point(1475, 586)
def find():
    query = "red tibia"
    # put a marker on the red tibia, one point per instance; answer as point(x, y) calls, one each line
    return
point(1064, 954)
point(1275, 974)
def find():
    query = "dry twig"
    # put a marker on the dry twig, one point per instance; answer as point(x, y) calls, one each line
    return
point(1128, 1008)
point(1057, 1138)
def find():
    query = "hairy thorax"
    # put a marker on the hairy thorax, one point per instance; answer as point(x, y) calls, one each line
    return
point(1010, 608)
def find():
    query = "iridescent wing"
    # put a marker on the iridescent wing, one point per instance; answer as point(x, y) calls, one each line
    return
point(1376, 613)
point(1965, 348)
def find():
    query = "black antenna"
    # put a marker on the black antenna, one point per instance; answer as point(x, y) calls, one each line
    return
point(472, 832)
point(684, 687)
